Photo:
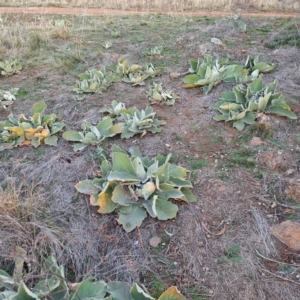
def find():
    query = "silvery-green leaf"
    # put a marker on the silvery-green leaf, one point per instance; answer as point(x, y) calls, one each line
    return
point(263, 102)
point(122, 196)
point(188, 195)
point(86, 187)
point(39, 107)
point(51, 140)
point(89, 288)
point(79, 147)
point(239, 125)
point(139, 168)
point(180, 182)
point(168, 191)
point(35, 142)
point(138, 294)
point(249, 118)
point(281, 111)
point(122, 163)
point(73, 136)
point(119, 290)
point(165, 209)
point(133, 219)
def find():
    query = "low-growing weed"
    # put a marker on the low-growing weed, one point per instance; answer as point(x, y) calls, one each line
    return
point(263, 130)
point(244, 158)
point(231, 255)
point(198, 164)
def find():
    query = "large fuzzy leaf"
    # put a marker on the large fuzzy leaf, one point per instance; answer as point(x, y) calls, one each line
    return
point(119, 290)
point(171, 294)
point(51, 140)
point(188, 195)
point(39, 108)
point(73, 136)
point(239, 125)
point(89, 288)
point(133, 219)
point(86, 187)
point(282, 111)
point(121, 195)
point(122, 164)
point(165, 210)
point(46, 287)
point(138, 294)
point(105, 201)
point(24, 293)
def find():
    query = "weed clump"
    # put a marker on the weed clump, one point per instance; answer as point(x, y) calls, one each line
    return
point(36, 41)
point(243, 158)
point(288, 36)
point(62, 33)
point(263, 130)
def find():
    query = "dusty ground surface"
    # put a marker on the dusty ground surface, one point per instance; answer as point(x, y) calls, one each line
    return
point(236, 184)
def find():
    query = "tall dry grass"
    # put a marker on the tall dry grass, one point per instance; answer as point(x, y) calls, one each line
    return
point(163, 5)
point(26, 220)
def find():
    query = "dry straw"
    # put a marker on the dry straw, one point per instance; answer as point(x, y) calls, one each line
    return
point(163, 5)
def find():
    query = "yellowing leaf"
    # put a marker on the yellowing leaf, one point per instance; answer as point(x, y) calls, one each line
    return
point(104, 201)
point(171, 294)
point(45, 132)
point(18, 131)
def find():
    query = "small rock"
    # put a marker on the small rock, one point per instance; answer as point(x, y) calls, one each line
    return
point(155, 241)
point(277, 160)
point(167, 145)
point(293, 189)
point(205, 48)
point(174, 75)
point(216, 41)
point(262, 118)
point(290, 172)
point(256, 141)
point(289, 233)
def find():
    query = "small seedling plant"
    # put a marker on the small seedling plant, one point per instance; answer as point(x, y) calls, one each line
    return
point(134, 74)
point(93, 135)
point(7, 98)
point(241, 106)
point(133, 185)
point(127, 122)
point(115, 33)
point(10, 67)
point(35, 130)
point(107, 45)
point(94, 81)
point(52, 284)
point(134, 121)
point(253, 63)
point(156, 51)
point(157, 94)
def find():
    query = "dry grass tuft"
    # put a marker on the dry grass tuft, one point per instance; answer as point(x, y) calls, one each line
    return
point(25, 221)
point(263, 130)
point(62, 33)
